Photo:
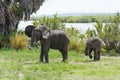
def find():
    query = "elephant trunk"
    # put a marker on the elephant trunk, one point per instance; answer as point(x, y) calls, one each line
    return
point(30, 44)
point(32, 40)
point(86, 51)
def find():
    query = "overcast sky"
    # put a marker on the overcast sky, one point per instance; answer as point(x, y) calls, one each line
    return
point(76, 6)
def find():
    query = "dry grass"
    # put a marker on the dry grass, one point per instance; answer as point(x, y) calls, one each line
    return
point(19, 41)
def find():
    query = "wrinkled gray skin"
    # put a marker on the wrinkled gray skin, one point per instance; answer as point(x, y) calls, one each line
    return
point(54, 39)
point(93, 44)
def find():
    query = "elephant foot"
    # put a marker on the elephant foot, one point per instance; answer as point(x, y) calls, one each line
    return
point(96, 59)
point(90, 56)
point(86, 54)
point(64, 60)
point(46, 61)
point(40, 61)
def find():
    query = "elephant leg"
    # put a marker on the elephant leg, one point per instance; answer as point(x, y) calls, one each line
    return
point(64, 55)
point(95, 55)
point(41, 57)
point(46, 50)
point(90, 56)
point(46, 58)
point(42, 54)
point(98, 55)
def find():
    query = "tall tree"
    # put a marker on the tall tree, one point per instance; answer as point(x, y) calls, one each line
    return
point(12, 11)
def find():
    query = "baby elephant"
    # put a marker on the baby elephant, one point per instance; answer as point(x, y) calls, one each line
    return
point(54, 39)
point(93, 44)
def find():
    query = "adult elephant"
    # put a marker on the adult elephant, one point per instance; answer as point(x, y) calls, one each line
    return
point(54, 39)
point(93, 44)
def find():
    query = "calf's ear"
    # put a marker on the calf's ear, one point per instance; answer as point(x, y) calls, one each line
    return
point(46, 34)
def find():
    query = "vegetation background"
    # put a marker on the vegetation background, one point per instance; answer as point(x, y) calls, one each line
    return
point(23, 64)
point(19, 63)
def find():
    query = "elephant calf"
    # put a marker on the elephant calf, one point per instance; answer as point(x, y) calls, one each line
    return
point(93, 44)
point(54, 39)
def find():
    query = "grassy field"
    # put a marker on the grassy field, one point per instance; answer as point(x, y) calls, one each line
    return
point(24, 65)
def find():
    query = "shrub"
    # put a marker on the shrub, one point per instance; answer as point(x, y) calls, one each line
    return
point(4, 41)
point(53, 22)
point(74, 45)
point(112, 53)
point(19, 41)
point(76, 39)
point(108, 32)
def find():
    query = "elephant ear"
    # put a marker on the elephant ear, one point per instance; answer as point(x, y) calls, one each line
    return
point(38, 34)
point(29, 29)
point(46, 34)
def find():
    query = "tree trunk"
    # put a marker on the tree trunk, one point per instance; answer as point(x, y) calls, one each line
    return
point(12, 11)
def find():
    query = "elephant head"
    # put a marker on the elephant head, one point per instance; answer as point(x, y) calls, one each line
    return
point(39, 33)
point(88, 47)
point(88, 51)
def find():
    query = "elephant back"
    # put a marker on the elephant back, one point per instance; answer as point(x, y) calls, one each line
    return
point(94, 42)
point(42, 27)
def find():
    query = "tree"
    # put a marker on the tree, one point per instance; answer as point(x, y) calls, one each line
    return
point(12, 11)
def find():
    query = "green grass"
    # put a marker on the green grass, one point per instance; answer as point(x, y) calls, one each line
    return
point(24, 65)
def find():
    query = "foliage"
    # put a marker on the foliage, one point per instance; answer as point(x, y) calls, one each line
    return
point(90, 33)
point(4, 40)
point(12, 11)
point(54, 22)
point(108, 32)
point(86, 19)
point(75, 39)
point(19, 41)
point(74, 44)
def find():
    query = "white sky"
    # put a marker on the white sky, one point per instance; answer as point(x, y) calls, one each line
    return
point(82, 6)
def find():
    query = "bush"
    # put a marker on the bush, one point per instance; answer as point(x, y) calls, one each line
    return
point(4, 41)
point(76, 39)
point(53, 22)
point(108, 32)
point(19, 41)
point(112, 53)
point(74, 45)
